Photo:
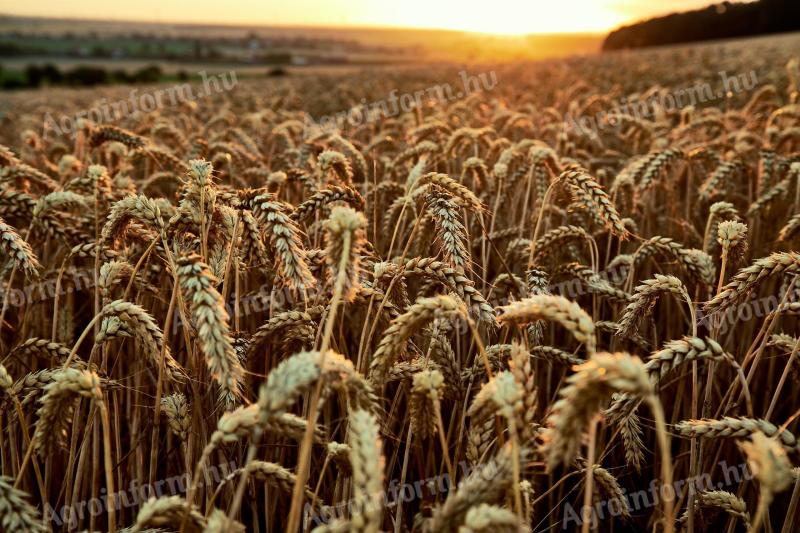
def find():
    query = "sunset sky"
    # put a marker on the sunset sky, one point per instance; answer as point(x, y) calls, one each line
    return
point(493, 16)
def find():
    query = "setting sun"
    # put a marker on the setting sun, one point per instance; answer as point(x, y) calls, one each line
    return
point(504, 17)
point(501, 17)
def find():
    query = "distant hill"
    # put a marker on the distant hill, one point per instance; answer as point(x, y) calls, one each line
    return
point(719, 21)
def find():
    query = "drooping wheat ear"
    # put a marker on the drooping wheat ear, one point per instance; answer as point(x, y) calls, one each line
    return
point(293, 326)
point(367, 462)
point(608, 488)
point(18, 250)
point(720, 178)
point(721, 500)
point(284, 238)
point(488, 483)
point(522, 369)
point(584, 394)
point(274, 475)
point(696, 262)
point(730, 427)
point(425, 390)
point(56, 200)
point(783, 341)
point(136, 208)
point(654, 165)
point(549, 353)
point(293, 376)
point(169, 511)
point(606, 326)
point(89, 249)
point(501, 395)
point(593, 282)
point(450, 231)
point(345, 240)
point(213, 333)
point(484, 518)
point(587, 191)
point(455, 189)
point(103, 134)
point(555, 308)
point(58, 404)
point(788, 231)
point(325, 197)
point(455, 281)
point(113, 272)
point(7, 157)
point(16, 514)
point(679, 352)
point(732, 236)
point(770, 466)
point(396, 336)
point(644, 299)
point(6, 381)
point(121, 318)
point(176, 408)
point(556, 239)
point(336, 163)
point(749, 278)
point(28, 388)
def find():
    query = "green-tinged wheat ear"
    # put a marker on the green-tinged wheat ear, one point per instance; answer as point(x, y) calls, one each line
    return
point(749, 278)
point(16, 514)
point(58, 404)
point(485, 518)
point(285, 241)
point(125, 319)
point(218, 522)
point(488, 483)
point(18, 250)
point(644, 299)
point(450, 230)
point(325, 197)
point(730, 427)
point(130, 209)
point(401, 328)
point(770, 465)
point(366, 459)
point(213, 332)
point(345, 240)
point(425, 390)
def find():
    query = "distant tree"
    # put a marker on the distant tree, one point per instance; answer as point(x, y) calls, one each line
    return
point(720, 21)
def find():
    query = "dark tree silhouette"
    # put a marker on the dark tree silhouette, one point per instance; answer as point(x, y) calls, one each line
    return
point(719, 21)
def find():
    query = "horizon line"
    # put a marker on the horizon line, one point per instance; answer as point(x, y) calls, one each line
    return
point(302, 26)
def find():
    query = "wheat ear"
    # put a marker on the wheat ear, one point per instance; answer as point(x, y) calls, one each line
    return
point(213, 333)
point(556, 308)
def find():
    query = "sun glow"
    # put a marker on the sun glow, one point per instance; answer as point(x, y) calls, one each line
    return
point(502, 17)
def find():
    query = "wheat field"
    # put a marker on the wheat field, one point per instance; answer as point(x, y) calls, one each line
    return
point(469, 317)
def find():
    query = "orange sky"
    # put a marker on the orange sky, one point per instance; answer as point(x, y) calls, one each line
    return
point(494, 16)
